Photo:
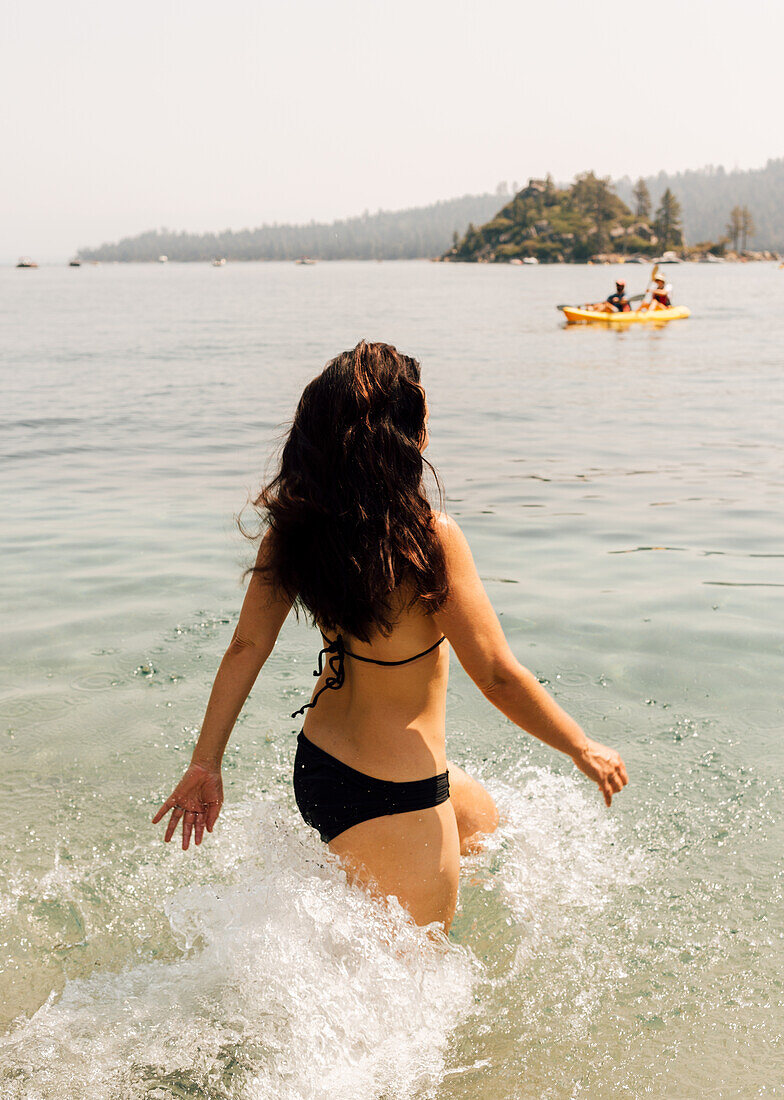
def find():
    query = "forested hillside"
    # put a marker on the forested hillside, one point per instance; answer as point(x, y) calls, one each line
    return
point(708, 195)
point(386, 235)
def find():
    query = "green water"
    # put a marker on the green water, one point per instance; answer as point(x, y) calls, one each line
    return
point(622, 493)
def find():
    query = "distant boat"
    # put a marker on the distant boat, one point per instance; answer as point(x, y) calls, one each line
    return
point(163, 259)
point(74, 263)
point(219, 262)
point(305, 260)
point(25, 261)
point(530, 260)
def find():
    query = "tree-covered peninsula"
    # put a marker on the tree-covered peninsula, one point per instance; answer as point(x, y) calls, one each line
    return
point(590, 217)
point(386, 235)
point(710, 195)
point(584, 221)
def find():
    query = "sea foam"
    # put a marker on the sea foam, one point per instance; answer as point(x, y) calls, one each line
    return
point(290, 984)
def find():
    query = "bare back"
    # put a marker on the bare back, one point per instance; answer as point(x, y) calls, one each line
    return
point(388, 721)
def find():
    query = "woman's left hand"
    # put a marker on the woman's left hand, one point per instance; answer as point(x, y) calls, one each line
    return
point(604, 766)
point(197, 799)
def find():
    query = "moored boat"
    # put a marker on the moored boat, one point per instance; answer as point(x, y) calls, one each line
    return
point(575, 316)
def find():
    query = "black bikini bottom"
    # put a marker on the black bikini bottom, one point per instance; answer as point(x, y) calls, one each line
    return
point(332, 797)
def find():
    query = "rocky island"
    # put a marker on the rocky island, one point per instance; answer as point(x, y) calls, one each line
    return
point(584, 222)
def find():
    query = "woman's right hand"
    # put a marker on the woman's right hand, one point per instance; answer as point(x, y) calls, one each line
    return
point(604, 766)
point(197, 799)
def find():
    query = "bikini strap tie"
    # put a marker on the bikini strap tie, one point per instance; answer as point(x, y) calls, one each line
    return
point(337, 665)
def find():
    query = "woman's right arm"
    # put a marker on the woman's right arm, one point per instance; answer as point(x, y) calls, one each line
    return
point(474, 632)
point(198, 796)
point(263, 613)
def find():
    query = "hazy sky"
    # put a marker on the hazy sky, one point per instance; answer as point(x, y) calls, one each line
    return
point(119, 117)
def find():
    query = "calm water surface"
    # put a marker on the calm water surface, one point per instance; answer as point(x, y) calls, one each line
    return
point(622, 493)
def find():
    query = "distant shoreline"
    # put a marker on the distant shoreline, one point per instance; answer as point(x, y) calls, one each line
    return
point(707, 197)
point(620, 261)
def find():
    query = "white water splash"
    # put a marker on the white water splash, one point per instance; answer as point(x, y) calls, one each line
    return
point(291, 985)
point(559, 847)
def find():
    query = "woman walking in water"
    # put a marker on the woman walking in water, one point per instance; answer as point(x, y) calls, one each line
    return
point(390, 583)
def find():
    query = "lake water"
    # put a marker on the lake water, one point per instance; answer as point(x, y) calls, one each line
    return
point(622, 492)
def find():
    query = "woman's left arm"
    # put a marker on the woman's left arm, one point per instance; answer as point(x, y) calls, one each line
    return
point(199, 794)
point(468, 620)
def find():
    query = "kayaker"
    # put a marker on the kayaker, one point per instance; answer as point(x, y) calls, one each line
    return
point(613, 303)
point(618, 301)
point(660, 298)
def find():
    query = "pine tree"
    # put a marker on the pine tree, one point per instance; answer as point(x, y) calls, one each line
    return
point(747, 227)
point(595, 196)
point(735, 226)
point(667, 224)
point(642, 198)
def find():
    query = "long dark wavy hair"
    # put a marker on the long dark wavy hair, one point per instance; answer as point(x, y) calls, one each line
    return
point(349, 517)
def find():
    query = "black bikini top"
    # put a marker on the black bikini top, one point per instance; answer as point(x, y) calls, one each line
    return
point(338, 652)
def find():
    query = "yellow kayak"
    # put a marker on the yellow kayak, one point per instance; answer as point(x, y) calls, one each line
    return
point(574, 315)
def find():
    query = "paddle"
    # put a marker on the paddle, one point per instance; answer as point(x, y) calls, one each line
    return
point(634, 297)
point(651, 280)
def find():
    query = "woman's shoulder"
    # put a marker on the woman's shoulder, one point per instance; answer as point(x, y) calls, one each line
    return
point(444, 524)
point(453, 542)
point(447, 529)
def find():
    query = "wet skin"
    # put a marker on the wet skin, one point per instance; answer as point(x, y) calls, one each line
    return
point(389, 723)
